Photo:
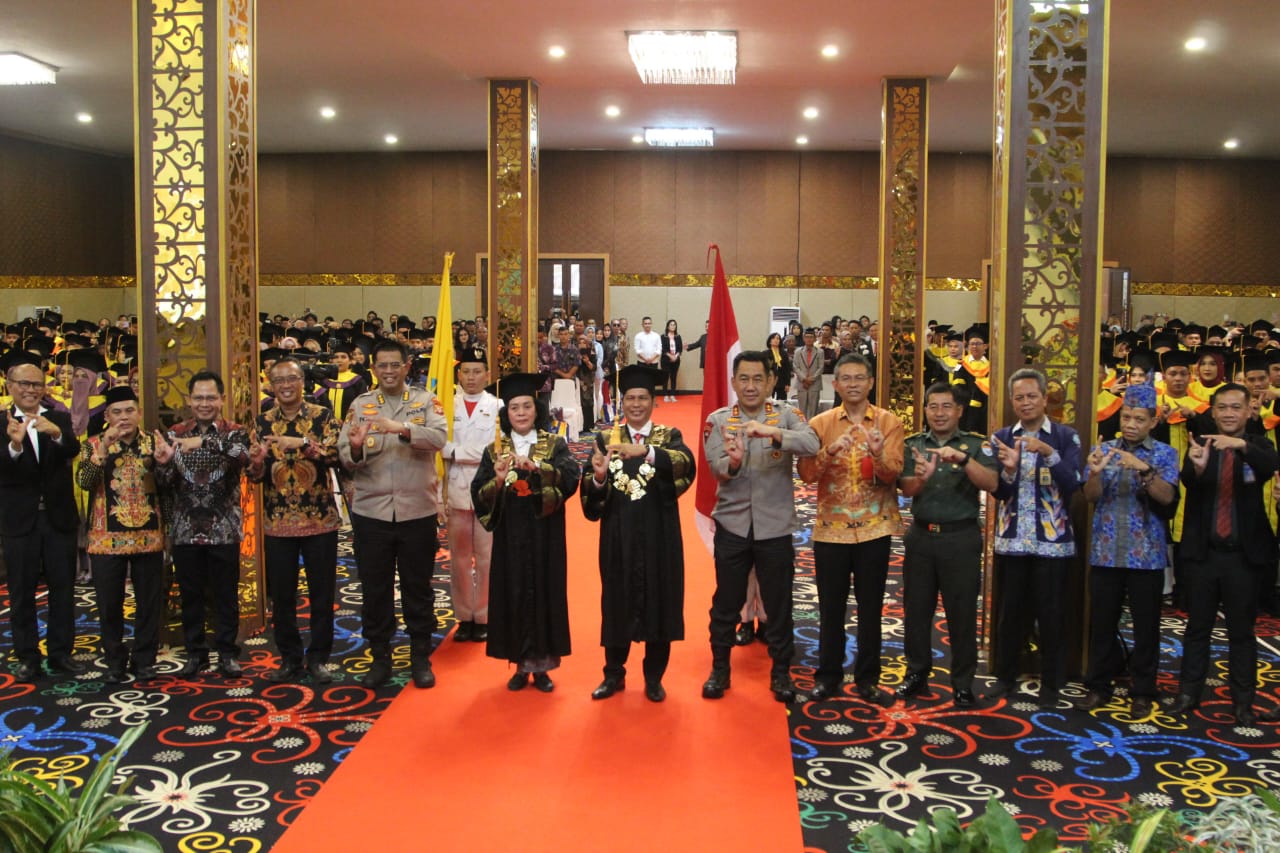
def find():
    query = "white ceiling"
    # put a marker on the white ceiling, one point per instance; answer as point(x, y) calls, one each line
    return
point(418, 68)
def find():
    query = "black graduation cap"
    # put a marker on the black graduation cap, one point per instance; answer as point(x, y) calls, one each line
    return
point(270, 332)
point(978, 330)
point(39, 344)
point(364, 343)
point(1176, 358)
point(941, 328)
point(86, 327)
point(1175, 323)
point(417, 335)
point(15, 329)
point(1215, 332)
point(1130, 339)
point(1165, 340)
point(639, 376)
point(1272, 354)
point(1253, 360)
point(313, 333)
point(270, 354)
point(404, 323)
point(50, 318)
point(1261, 326)
point(1195, 329)
point(520, 385)
point(76, 341)
point(1144, 359)
point(16, 356)
point(953, 335)
point(342, 347)
point(87, 359)
point(263, 316)
point(120, 394)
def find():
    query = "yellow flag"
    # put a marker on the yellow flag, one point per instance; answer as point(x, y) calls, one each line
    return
point(440, 377)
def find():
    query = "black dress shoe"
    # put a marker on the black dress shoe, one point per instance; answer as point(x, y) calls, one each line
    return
point(319, 672)
point(543, 682)
point(963, 698)
point(744, 635)
point(1140, 707)
point(518, 681)
point(911, 685)
point(198, 663)
point(1049, 699)
point(228, 666)
point(1184, 703)
point(379, 673)
point(654, 691)
point(420, 672)
point(145, 671)
point(1001, 689)
point(1092, 701)
point(65, 664)
point(1244, 714)
point(783, 690)
point(823, 690)
point(1270, 716)
point(287, 671)
point(608, 687)
point(479, 632)
point(873, 694)
point(114, 674)
point(26, 672)
point(463, 634)
point(716, 684)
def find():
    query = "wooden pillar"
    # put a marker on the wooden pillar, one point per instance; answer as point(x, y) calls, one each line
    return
point(903, 180)
point(513, 225)
point(195, 155)
point(1048, 179)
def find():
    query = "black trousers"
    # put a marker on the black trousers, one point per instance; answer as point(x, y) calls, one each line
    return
point(147, 571)
point(319, 554)
point(382, 549)
point(1031, 588)
point(775, 563)
point(657, 653)
point(670, 369)
point(867, 565)
point(1108, 587)
point(53, 552)
point(209, 573)
point(1222, 580)
point(950, 563)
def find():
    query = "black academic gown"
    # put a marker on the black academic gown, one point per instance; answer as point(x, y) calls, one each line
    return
point(641, 550)
point(528, 598)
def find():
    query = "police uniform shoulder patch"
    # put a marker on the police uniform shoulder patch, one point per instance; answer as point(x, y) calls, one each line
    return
point(438, 406)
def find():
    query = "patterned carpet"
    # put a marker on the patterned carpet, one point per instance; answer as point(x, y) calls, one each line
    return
point(227, 764)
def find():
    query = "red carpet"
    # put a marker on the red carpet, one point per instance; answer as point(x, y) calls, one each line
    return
point(470, 765)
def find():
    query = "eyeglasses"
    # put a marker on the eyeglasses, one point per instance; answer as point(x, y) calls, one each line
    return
point(287, 380)
point(940, 407)
point(389, 365)
point(26, 384)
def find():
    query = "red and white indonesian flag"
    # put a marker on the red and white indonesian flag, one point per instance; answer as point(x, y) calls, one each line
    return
point(722, 347)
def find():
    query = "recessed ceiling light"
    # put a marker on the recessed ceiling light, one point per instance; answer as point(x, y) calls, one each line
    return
point(84, 118)
point(556, 52)
point(391, 139)
point(802, 140)
point(328, 112)
point(1195, 44)
point(830, 51)
point(613, 111)
point(638, 138)
point(811, 112)
point(1231, 144)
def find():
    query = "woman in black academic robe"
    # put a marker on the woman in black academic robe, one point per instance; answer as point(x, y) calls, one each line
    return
point(519, 495)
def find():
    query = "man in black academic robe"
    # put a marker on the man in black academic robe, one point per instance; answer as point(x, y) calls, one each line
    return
point(638, 471)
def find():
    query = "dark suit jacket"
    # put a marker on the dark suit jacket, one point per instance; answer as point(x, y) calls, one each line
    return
point(1253, 530)
point(23, 481)
point(666, 344)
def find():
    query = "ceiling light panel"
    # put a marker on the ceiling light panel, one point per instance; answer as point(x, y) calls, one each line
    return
point(685, 57)
point(17, 69)
point(680, 137)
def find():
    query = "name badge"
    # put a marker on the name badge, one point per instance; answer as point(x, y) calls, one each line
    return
point(1249, 476)
point(1046, 479)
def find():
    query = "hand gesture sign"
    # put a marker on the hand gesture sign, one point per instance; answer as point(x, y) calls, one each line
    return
point(874, 439)
point(17, 431)
point(44, 426)
point(502, 465)
point(1198, 453)
point(732, 447)
point(258, 451)
point(843, 444)
point(926, 463)
point(1099, 459)
point(626, 450)
point(599, 465)
point(358, 433)
point(164, 450)
point(1009, 456)
point(1035, 445)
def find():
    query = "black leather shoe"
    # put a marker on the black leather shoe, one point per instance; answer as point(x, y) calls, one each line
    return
point(463, 634)
point(479, 632)
point(608, 687)
point(66, 665)
point(26, 672)
point(145, 671)
point(543, 682)
point(911, 685)
point(319, 672)
point(1141, 707)
point(873, 694)
point(379, 673)
point(114, 674)
point(1001, 689)
point(1049, 699)
point(654, 691)
point(287, 671)
point(1092, 701)
point(823, 690)
point(1245, 715)
point(963, 698)
point(420, 672)
point(1270, 716)
point(199, 663)
point(1184, 703)
point(744, 635)
point(783, 690)
point(716, 684)
point(518, 681)
point(228, 666)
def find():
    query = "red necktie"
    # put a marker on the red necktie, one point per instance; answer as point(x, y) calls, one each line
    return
point(1226, 489)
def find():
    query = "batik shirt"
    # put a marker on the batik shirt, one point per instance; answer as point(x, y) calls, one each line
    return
point(1126, 534)
point(124, 514)
point(204, 483)
point(297, 499)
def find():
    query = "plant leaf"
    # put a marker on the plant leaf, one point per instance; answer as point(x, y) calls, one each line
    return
point(127, 841)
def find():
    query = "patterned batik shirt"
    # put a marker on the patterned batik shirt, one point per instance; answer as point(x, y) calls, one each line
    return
point(124, 514)
point(1126, 533)
point(203, 484)
point(297, 498)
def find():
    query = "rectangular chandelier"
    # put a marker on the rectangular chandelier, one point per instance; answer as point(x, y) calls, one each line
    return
point(17, 69)
point(685, 57)
point(680, 137)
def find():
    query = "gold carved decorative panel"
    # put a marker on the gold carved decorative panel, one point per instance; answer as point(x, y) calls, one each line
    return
point(513, 218)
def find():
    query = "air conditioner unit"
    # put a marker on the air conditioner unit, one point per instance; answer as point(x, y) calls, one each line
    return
point(780, 317)
point(25, 311)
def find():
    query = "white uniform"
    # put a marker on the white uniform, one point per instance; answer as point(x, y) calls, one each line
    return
point(470, 545)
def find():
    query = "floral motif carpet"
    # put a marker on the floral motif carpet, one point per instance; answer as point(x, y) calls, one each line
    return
point(857, 764)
